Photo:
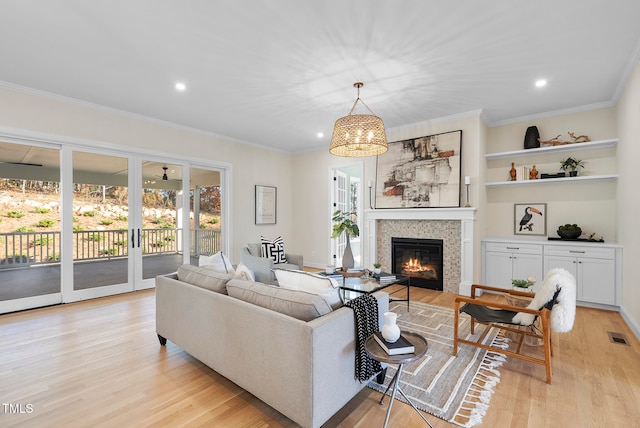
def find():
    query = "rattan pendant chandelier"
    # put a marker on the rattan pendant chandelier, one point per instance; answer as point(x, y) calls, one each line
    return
point(358, 135)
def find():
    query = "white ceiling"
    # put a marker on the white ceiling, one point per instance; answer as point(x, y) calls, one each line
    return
point(277, 72)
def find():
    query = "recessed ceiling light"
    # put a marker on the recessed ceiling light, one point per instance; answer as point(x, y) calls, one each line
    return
point(540, 83)
point(320, 134)
point(181, 86)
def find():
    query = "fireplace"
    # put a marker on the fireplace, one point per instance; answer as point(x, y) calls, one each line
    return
point(420, 259)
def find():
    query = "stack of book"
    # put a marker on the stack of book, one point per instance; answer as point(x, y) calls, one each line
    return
point(385, 277)
point(400, 346)
point(333, 274)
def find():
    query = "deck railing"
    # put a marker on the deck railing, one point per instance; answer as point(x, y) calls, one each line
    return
point(33, 248)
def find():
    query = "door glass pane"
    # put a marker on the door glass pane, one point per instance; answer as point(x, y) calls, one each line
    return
point(205, 208)
point(161, 237)
point(29, 221)
point(100, 220)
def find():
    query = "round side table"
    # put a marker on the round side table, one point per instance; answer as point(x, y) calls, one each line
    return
point(377, 353)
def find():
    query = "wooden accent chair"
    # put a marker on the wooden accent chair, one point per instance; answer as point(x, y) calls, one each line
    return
point(554, 305)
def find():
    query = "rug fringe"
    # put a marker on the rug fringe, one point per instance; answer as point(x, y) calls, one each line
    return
point(475, 403)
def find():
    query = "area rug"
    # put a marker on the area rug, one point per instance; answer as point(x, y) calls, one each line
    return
point(456, 389)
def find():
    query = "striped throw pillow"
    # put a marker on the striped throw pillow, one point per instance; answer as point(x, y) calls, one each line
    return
point(273, 249)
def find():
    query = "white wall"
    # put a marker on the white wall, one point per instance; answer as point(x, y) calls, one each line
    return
point(628, 110)
point(96, 126)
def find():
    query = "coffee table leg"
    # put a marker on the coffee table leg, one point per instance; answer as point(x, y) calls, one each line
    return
point(408, 288)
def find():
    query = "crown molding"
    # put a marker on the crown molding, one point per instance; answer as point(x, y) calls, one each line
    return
point(552, 113)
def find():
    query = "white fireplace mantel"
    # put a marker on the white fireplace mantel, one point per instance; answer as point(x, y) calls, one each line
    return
point(465, 215)
point(421, 214)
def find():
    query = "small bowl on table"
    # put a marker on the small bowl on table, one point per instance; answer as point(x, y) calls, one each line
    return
point(569, 234)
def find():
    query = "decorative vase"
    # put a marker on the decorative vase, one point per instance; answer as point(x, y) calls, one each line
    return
point(390, 330)
point(377, 271)
point(347, 256)
point(512, 173)
point(531, 138)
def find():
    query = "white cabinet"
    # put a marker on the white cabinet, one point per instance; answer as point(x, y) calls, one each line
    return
point(594, 269)
point(597, 267)
point(505, 261)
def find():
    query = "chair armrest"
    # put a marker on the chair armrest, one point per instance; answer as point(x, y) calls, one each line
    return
point(260, 266)
point(498, 289)
point(295, 259)
point(497, 305)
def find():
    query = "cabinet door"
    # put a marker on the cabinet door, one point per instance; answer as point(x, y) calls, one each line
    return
point(498, 269)
point(597, 281)
point(567, 263)
point(526, 265)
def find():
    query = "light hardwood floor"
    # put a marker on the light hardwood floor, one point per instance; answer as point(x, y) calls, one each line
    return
point(99, 364)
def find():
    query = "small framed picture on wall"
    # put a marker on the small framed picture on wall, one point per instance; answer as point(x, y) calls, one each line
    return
point(530, 219)
point(266, 204)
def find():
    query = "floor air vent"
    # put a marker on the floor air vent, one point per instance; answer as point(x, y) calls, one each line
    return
point(617, 338)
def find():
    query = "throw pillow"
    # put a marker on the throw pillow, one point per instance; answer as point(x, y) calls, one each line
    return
point(204, 277)
point(299, 280)
point(243, 272)
point(296, 304)
point(218, 262)
point(273, 249)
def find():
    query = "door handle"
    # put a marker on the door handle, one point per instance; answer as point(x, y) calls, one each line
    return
point(139, 238)
point(133, 238)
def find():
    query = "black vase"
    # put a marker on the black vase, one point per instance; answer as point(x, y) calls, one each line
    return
point(531, 140)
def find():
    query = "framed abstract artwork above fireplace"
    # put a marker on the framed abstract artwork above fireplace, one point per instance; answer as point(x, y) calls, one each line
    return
point(421, 172)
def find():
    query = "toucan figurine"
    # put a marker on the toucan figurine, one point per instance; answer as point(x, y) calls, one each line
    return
point(527, 216)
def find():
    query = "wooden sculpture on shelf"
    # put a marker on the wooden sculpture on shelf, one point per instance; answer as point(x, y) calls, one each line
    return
point(580, 138)
point(556, 140)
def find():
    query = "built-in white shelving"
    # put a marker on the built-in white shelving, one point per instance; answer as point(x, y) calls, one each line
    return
point(600, 144)
point(592, 145)
point(553, 180)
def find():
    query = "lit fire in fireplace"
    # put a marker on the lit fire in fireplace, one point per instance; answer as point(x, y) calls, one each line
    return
point(413, 267)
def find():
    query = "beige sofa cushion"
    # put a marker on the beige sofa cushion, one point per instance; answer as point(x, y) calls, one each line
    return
point(298, 304)
point(204, 277)
point(311, 283)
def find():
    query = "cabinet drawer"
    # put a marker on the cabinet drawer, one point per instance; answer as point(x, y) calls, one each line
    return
point(579, 251)
point(514, 247)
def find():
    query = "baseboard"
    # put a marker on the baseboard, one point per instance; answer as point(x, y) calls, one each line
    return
point(631, 322)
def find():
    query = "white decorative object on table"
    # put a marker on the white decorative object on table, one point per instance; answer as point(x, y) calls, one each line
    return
point(390, 330)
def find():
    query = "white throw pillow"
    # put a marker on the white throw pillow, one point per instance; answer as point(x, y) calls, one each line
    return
point(243, 272)
point(218, 262)
point(311, 283)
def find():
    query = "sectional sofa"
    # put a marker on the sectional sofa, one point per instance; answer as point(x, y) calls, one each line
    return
point(289, 348)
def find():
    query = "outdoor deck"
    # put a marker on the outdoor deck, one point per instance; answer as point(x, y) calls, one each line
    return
point(37, 280)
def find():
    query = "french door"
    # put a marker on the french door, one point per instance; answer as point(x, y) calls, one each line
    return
point(79, 223)
point(134, 231)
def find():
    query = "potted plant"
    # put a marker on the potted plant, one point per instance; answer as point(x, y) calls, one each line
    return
point(523, 284)
point(572, 165)
point(344, 223)
point(376, 268)
point(569, 231)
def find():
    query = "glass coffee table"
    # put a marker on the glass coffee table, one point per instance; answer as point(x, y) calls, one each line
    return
point(368, 285)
